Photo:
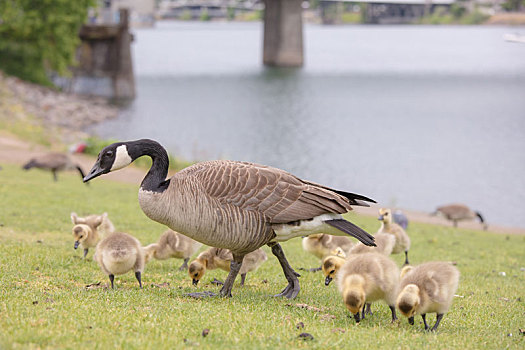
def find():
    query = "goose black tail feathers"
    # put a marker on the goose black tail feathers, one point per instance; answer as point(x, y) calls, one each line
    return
point(356, 199)
point(352, 230)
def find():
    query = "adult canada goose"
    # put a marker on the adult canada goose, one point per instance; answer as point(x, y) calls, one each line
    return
point(53, 162)
point(88, 231)
point(429, 287)
point(390, 227)
point(119, 253)
point(172, 245)
point(239, 206)
point(459, 212)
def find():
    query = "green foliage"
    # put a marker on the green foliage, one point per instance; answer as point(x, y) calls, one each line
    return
point(186, 15)
point(205, 16)
point(40, 36)
point(230, 13)
point(44, 302)
point(351, 17)
point(513, 5)
point(457, 15)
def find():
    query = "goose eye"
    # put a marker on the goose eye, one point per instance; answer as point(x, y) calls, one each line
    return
point(333, 271)
point(109, 154)
point(195, 275)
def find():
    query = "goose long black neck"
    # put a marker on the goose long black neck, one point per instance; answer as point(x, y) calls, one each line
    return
point(155, 179)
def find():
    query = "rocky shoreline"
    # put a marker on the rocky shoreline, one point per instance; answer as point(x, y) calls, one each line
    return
point(65, 115)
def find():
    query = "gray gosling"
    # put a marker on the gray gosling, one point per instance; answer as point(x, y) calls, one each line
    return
point(365, 278)
point(172, 245)
point(87, 231)
point(429, 287)
point(459, 212)
point(119, 253)
point(385, 245)
point(221, 258)
point(53, 162)
point(388, 226)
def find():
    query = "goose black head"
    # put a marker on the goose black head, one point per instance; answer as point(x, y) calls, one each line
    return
point(113, 157)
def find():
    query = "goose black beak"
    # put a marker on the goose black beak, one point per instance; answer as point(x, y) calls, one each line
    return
point(95, 171)
point(76, 244)
point(357, 317)
point(379, 218)
point(411, 320)
point(195, 282)
point(327, 280)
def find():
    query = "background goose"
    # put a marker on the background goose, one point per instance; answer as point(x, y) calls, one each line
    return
point(172, 245)
point(459, 212)
point(239, 206)
point(53, 162)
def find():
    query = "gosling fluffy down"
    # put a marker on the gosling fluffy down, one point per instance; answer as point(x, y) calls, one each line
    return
point(429, 287)
point(119, 253)
point(321, 245)
point(331, 264)
point(365, 278)
point(388, 226)
point(221, 258)
point(172, 245)
point(87, 231)
point(385, 243)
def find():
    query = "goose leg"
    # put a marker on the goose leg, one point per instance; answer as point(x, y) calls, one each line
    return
point(54, 174)
point(111, 278)
point(235, 266)
point(292, 289)
point(138, 276)
point(438, 319)
point(424, 317)
point(85, 252)
point(184, 265)
point(394, 316)
point(243, 277)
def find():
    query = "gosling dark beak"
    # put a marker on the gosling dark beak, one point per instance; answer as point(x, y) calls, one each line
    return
point(76, 244)
point(357, 317)
point(195, 282)
point(327, 280)
point(95, 171)
point(379, 218)
point(411, 320)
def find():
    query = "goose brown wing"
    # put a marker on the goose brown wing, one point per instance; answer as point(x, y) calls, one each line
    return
point(277, 194)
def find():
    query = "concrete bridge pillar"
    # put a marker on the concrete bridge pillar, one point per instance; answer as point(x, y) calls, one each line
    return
point(283, 33)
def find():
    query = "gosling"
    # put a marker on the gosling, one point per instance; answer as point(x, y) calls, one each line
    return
point(321, 245)
point(221, 258)
point(388, 226)
point(385, 243)
point(429, 287)
point(88, 231)
point(172, 245)
point(119, 253)
point(331, 264)
point(365, 278)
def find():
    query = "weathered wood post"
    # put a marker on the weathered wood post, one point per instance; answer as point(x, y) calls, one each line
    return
point(283, 33)
point(124, 80)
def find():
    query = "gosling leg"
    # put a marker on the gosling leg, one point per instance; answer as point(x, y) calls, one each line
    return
point(184, 265)
point(369, 309)
point(235, 266)
point(438, 320)
point(424, 317)
point(394, 316)
point(406, 257)
point(85, 252)
point(243, 277)
point(363, 311)
point(111, 278)
point(137, 275)
point(293, 288)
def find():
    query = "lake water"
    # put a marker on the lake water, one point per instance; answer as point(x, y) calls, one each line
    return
point(411, 116)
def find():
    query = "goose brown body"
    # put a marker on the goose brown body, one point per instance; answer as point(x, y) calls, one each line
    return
point(460, 212)
point(53, 162)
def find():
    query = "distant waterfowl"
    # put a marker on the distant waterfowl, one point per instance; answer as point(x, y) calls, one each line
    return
point(119, 253)
point(214, 258)
point(87, 231)
point(365, 278)
point(239, 206)
point(429, 287)
point(459, 212)
point(53, 162)
point(172, 245)
point(400, 218)
point(387, 226)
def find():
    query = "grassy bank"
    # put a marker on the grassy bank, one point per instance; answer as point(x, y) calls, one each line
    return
point(44, 302)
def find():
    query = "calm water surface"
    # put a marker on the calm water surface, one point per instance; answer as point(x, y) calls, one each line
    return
point(411, 116)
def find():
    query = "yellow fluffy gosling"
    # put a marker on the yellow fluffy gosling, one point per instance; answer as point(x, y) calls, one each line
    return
point(365, 278)
point(429, 287)
point(321, 245)
point(214, 258)
point(331, 264)
point(172, 245)
point(388, 226)
point(119, 253)
point(87, 231)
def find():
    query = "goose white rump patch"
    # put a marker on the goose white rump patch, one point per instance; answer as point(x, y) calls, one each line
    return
point(122, 158)
point(285, 232)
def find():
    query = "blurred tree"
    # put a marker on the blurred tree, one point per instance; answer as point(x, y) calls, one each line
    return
point(37, 37)
point(513, 5)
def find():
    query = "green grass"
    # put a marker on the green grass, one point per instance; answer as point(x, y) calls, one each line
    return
point(44, 302)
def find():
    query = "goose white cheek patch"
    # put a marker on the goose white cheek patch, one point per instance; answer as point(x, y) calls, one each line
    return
point(122, 158)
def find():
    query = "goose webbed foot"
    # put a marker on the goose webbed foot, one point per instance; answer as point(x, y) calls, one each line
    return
point(201, 295)
point(217, 282)
point(293, 288)
point(184, 265)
